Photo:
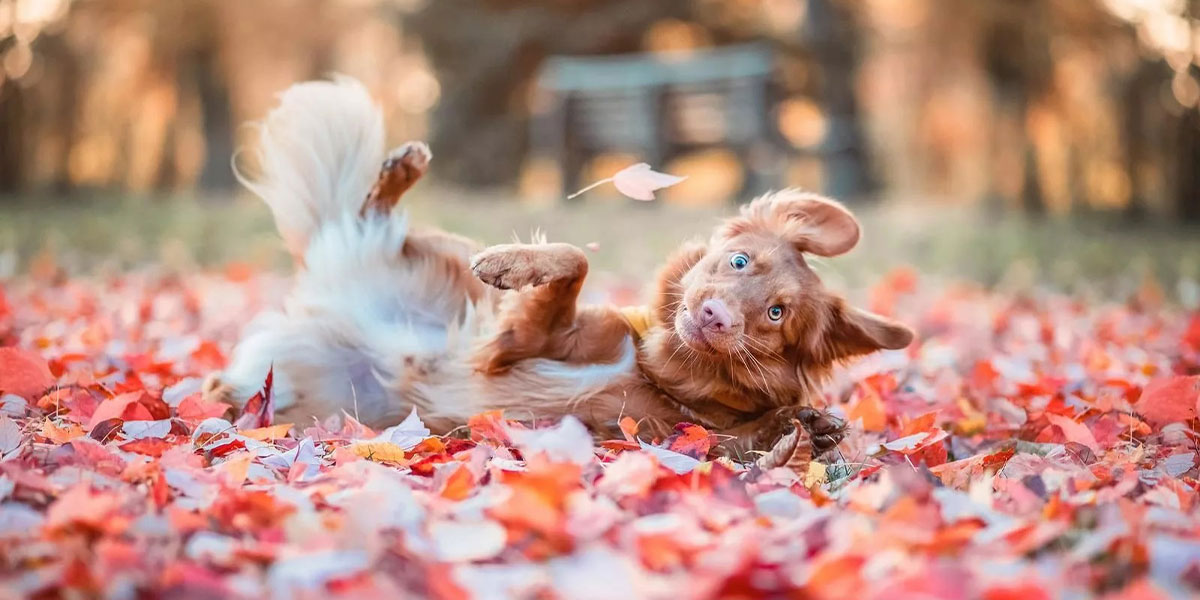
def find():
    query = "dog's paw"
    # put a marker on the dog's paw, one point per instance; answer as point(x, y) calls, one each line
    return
point(411, 159)
point(403, 167)
point(215, 390)
point(825, 430)
point(515, 266)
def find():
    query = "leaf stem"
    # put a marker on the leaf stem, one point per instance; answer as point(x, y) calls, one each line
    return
point(594, 185)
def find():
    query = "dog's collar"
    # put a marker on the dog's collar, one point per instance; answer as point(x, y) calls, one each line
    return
point(639, 318)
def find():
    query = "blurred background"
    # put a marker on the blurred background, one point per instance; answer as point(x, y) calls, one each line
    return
point(1009, 142)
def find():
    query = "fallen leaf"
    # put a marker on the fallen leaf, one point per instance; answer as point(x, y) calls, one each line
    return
point(1170, 400)
point(24, 373)
point(271, 432)
point(260, 409)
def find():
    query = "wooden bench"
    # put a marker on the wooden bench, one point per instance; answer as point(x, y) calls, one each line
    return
point(657, 107)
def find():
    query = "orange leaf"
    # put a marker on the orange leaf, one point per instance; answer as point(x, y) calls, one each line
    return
point(63, 434)
point(870, 409)
point(24, 373)
point(270, 432)
point(380, 452)
point(691, 440)
point(629, 427)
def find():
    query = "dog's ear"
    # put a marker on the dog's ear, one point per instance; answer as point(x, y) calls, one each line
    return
point(810, 222)
point(853, 332)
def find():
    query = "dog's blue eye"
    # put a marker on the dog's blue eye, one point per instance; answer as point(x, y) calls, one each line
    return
point(775, 312)
point(739, 261)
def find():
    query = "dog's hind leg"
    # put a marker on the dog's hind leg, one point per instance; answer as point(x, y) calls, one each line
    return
point(403, 167)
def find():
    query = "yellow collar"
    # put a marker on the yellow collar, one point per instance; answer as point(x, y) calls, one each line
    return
point(639, 318)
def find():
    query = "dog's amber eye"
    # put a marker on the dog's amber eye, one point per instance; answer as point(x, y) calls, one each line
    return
point(739, 261)
point(775, 312)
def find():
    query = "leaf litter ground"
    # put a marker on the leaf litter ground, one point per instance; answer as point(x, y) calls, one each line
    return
point(1025, 447)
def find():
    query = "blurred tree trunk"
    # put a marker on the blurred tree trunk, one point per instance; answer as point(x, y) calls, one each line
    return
point(11, 137)
point(836, 35)
point(1016, 51)
point(486, 55)
point(1187, 167)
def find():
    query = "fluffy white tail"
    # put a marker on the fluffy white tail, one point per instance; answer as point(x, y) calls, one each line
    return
point(318, 155)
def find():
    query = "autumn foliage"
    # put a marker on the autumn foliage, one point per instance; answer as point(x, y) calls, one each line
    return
point(1029, 447)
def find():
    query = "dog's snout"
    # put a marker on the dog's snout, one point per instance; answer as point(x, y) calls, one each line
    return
point(715, 315)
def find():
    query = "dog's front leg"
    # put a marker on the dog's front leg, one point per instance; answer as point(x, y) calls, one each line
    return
point(542, 319)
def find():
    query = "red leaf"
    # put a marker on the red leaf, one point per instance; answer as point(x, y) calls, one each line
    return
point(691, 440)
point(24, 373)
point(261, 408)
point(148, 446)
point(1074, 431)
point(1170, 399)
point(114, 408)
point(104, 429)
point(193, 408)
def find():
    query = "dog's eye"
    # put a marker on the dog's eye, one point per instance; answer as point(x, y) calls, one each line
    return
point(775, 312)
point(739, 261)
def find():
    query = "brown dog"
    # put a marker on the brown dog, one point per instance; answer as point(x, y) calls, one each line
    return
point(739, 337)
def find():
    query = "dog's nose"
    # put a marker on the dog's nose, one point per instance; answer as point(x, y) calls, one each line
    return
point(715, 316)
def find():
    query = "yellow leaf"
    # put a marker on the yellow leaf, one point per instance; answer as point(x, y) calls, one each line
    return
point(236, 469)
point(380, 451)
point(815, 475)
point(270, 432)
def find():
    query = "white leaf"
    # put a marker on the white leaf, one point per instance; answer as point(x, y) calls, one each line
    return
point(462, 542)
point(10, 435)
point(907, 442)
point(1178, 464)
point(13, 405)
point(304, 453)
point(567, 441)
point(136, 430)
point(407, 434)
point(639, 181)
point(308, 572)
point(680, 463)
point(183, 388)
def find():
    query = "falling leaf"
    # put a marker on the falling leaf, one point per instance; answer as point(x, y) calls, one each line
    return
point(639, 181)
point(23, 373)
point(636, 181)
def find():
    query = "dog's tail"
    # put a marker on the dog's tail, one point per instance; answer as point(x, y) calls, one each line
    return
point(319, 152)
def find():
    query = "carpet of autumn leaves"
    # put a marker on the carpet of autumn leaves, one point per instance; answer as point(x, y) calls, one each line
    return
point(1027, 446)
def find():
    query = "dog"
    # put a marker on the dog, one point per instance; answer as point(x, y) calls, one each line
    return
point(385, 317)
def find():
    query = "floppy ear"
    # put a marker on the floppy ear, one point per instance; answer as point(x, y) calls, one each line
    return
point(810, 222)
point(853, 332)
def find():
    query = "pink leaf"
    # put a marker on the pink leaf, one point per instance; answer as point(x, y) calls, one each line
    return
point(639, 181)
point(1170, 399)
point(113, 408)
point(1075, 431)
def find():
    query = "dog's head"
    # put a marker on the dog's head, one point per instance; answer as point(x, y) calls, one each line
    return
point(752, 292)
